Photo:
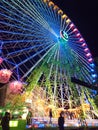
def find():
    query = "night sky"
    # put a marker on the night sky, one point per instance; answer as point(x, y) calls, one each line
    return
point(84, 14)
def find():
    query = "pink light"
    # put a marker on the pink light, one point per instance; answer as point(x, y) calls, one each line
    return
point(84, 44)
point(86, 49)
point(90, 60)
point(15, 87)
point(88, 54)
point(72, 25)
point(75, 30)
point(5, 75)
point(81, 39)
point(78, 35)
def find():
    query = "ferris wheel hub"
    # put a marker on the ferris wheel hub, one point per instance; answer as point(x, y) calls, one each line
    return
point(64, 35)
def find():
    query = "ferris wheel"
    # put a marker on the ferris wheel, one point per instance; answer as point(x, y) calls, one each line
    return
point(39, 44)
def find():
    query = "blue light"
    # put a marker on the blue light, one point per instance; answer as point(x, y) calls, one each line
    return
point(92, 65)
point(92, 70)
point(94, 75)
point(94, 81)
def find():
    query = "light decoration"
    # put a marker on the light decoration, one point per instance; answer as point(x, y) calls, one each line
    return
point(78, 35)
point(72, 25)
point(5, 75)
point(81, 39)
point(86, 50)
point(64, 16)
point(15, 87)
point(84, 45)
point(94, 75)
point(90, 60)
point(51, 3)
point(92, 65)
point(88, 54)
point(75, 30)
point(56, 7)
point(92, 70)
point(60, 12)
point(68, 21)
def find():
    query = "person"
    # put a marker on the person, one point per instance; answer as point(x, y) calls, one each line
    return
point(61, 121)
point(29, 116)
point(5, 121)
point(50, 115)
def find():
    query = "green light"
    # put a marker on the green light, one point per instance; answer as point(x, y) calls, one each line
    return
point(13, 123)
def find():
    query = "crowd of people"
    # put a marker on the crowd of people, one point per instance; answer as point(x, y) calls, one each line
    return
point(6, 119)
point(60, 119)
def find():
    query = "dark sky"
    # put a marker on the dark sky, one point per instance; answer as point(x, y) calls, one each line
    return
point(84, 14)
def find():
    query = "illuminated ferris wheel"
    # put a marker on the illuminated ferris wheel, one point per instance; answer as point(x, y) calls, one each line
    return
point(39, 44)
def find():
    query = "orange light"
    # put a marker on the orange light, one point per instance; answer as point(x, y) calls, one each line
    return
point(56, 7)
point(60, 12)
point(68, 21)
point(51, 3)
point(64, 16)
